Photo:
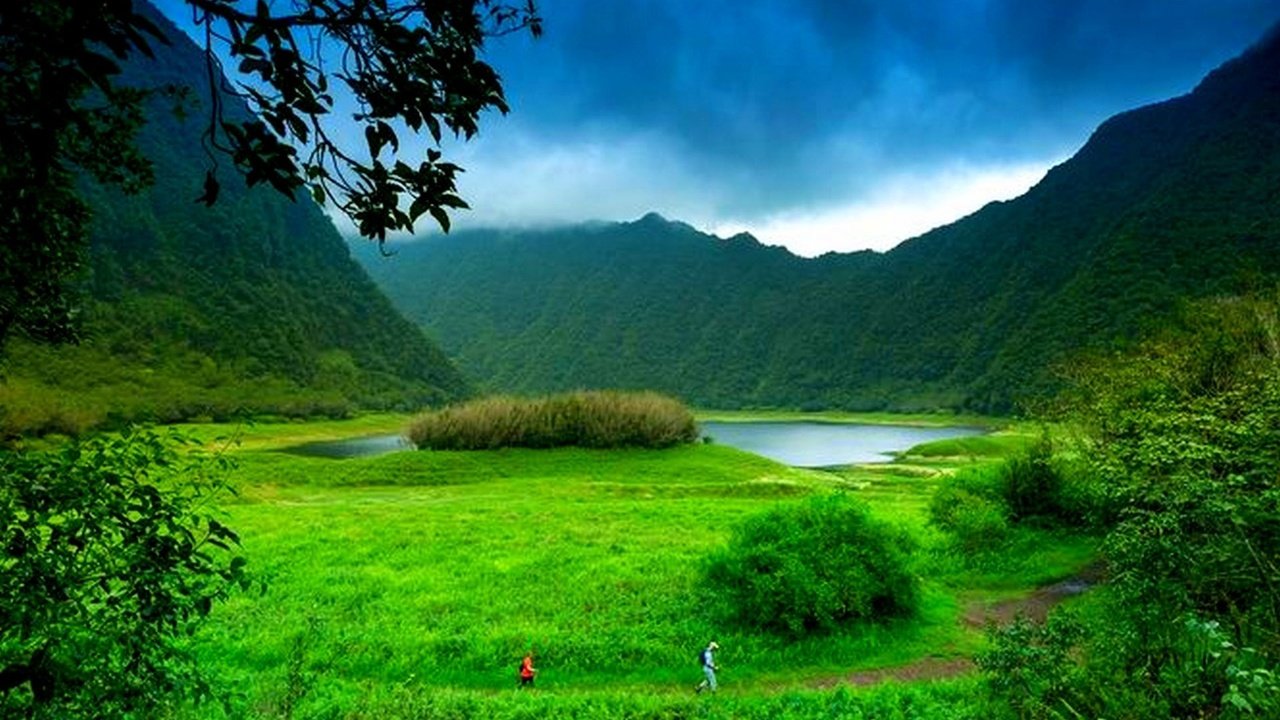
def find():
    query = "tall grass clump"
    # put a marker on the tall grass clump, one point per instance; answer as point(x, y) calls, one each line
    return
point(808, 567)
point(591, 419)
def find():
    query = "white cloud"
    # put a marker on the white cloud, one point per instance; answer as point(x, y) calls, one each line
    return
point(515, 179)
point(896, 209)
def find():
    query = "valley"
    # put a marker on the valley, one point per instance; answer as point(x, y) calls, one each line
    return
point(430, 571)
point(1023, 466)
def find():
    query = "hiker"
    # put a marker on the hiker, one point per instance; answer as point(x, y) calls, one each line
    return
point(527, 671)
point(709, 668)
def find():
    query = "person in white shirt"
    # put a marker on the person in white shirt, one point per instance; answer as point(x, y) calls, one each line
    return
point(709, 668)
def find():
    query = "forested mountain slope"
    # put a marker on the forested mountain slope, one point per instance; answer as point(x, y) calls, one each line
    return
point(1175, 200)
point(252, 305)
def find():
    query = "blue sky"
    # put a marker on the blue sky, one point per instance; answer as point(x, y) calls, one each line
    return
point(819, 124)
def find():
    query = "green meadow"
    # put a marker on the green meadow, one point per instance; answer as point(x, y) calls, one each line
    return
point(395, 578)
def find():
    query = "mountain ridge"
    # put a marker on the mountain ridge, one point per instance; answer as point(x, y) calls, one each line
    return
point(253, 305)
point(1166, 202)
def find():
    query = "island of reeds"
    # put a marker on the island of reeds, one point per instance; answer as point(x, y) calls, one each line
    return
point(589, 419)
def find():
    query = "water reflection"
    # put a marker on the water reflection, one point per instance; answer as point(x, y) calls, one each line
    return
point(803, 444)
point(811, 444)
point(353, 447)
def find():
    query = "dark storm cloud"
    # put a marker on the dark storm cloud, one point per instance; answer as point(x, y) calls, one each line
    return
point(820, 124)
point(808, 99)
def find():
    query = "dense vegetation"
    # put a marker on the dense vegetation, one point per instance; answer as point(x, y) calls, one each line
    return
point(1181, 440)
point(598, 419)
point(814, 566)
point(1166, 202)
point(252, 305)
point(977, 506)
point(113, 554)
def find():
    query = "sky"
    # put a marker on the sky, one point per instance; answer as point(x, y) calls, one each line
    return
point(821, 125)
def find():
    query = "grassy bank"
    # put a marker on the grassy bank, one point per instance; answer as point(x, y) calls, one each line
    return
point(399, 580)
point(276, 434)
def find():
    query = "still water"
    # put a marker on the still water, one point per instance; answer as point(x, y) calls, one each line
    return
point(803, 444)
point(353, 447)
point(810, 444)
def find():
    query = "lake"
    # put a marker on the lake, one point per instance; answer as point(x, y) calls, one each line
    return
point(813, 444)
point(802, 444)
point(353, 447)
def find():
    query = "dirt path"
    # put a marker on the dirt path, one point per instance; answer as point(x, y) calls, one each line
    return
point(929, 668)
point(1034, 606)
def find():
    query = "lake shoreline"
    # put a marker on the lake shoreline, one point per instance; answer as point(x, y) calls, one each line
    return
point(832, 417)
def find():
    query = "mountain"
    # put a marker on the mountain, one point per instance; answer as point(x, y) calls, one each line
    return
point(252, 305)
point(1168, 202)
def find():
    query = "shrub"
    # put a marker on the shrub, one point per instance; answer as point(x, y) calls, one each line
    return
point(977, 521)
point(978, 504)
point(598, 419)
point(1182, 438)
point(1031, 487)
point(811, 566)
point(109, 555)
point(1030, 666)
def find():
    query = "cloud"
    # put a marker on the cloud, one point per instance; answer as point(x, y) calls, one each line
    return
point(518, 178)
point(801, 119)
point(900, 208)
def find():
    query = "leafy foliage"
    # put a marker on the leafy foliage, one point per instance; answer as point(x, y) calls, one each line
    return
point(112, 552)
point(811, 566)
point(47, 134)
point(69, 110)
point(976, 518)
point(414, 65)
point(1031, 667)
point(978, 505)
point(1183, 437)
point(585, 419)
point(1187, 436)
point(248, 307)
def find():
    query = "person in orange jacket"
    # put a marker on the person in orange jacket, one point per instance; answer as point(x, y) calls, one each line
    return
point(527, 671)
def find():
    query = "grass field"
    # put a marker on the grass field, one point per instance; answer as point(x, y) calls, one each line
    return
point(433, 572)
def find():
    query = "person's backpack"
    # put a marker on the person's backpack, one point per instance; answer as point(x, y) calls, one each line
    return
point(702, 658)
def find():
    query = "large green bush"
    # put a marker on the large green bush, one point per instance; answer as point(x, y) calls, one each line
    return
point(1031, 486)
point(597, 419)
point(810, 566)
point(110, 554)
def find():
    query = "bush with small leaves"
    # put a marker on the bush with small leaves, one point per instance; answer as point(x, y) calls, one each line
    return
point(110, 551)
point(1030, 666)
point(1031, 486)
point(810, 566)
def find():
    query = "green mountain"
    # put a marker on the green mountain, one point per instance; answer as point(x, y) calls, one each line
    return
point(253, 305)
point(1168, 202)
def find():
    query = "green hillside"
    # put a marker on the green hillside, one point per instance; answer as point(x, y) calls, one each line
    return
point(1164, 203)
point(253, 305)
